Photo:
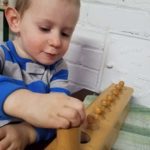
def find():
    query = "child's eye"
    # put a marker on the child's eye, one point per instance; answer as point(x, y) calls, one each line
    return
point(66, 34)
point(44, 29)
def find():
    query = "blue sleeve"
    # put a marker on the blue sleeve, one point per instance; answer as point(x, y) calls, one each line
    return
point(45, 134)
point(7, 86)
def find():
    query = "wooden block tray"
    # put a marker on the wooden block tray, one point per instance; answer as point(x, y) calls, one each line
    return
point(104, 119)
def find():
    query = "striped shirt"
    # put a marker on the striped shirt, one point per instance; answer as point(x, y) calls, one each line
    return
point(22, 73)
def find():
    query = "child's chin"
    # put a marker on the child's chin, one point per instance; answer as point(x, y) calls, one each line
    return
point(47, 62)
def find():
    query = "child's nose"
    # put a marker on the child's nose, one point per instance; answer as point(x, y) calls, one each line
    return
point(55, 40)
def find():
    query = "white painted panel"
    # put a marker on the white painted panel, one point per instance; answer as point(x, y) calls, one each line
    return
point(134, 4)
point(91, 58)
point(89, 37)
point(139, 4)
point(74, 53)
point(129, 60)
point(117, 19)
point(83, 76)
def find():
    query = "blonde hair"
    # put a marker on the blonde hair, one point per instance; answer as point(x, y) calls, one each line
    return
point(22, 5)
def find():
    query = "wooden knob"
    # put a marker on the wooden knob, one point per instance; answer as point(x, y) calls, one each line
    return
point(110, 98)
point(105, 104)
point(91, 118)
point(115, 92)
point(121, 83)
point(93, 122)
point(99, 110)
point(118, 87)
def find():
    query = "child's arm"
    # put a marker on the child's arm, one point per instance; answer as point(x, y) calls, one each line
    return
point(52, 110)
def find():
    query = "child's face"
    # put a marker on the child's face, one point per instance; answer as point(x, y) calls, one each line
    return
point(45, 30)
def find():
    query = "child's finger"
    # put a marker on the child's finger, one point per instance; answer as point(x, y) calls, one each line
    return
point(72, 115)
point(78, 105)
point(62, 122)
point(58, 122)
point(2, 133)
point(4, 144)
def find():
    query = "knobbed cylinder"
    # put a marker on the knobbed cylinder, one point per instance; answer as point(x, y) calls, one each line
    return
point(68, 139)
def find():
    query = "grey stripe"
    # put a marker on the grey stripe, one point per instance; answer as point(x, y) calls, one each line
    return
point(13, 70)
point(61, 65)
point(59, 83)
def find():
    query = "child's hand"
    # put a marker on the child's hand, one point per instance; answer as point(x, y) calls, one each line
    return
point(55, 111)
point(16, 136)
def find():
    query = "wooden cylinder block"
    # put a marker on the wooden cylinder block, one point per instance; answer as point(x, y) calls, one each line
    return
point(68, 139)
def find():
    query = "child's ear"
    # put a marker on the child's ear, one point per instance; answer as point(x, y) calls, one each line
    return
point(13, 19)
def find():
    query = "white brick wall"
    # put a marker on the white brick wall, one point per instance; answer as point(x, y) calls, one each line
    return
point(127, 47)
